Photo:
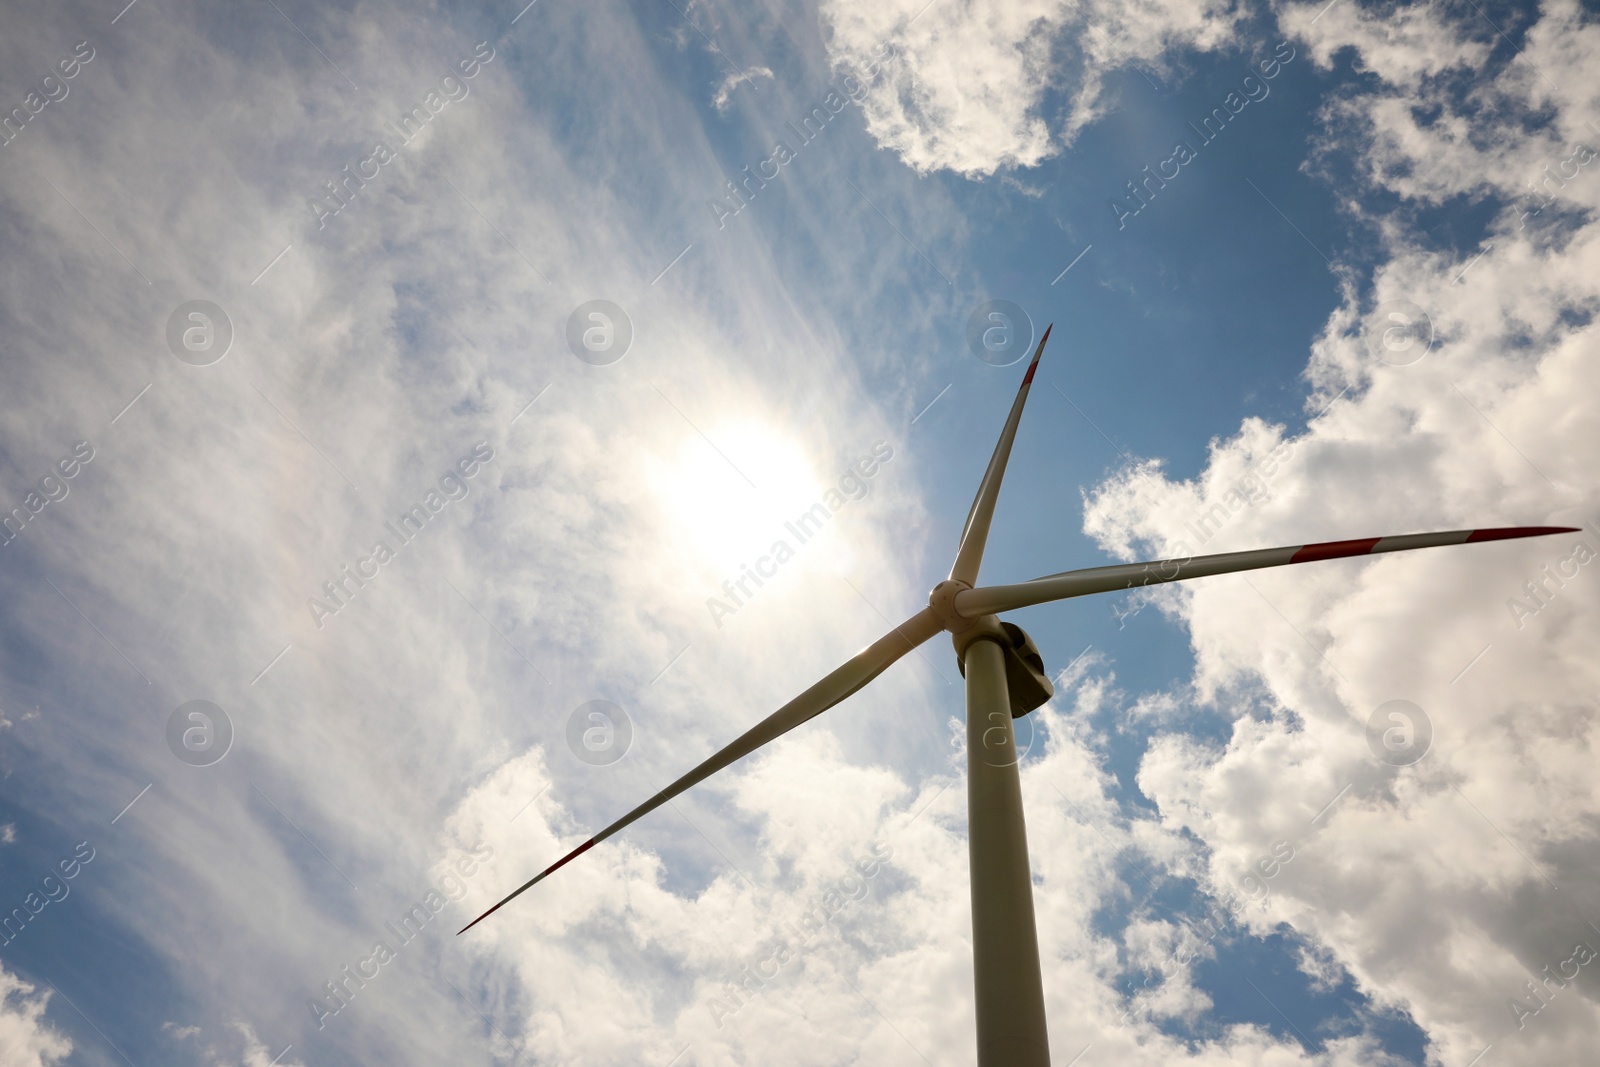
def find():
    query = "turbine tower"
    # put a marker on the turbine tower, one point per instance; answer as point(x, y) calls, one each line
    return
point(1005, 679)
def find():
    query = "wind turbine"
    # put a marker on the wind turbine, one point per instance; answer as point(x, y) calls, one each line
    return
point(1005, 679)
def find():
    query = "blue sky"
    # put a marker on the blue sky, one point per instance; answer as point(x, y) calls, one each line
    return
point(414, 740)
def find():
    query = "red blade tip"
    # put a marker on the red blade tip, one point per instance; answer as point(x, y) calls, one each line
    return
point(1505, 533)
point(1027, 379)
point(563, 861)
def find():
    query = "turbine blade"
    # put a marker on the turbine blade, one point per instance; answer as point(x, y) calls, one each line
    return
point(834, 688)
point(975, 533)
point(971, 603)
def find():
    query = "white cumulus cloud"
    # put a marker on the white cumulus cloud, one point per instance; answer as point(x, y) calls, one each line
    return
point(1445, 887)
point(964, 85)
point(25, 1039)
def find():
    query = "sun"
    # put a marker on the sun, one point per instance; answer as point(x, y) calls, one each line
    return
point(727, 494)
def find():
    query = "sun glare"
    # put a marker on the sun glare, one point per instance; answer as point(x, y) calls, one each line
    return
point(729, 497)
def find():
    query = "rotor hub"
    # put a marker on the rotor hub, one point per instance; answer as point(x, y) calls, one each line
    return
point(1027, 683)
point(943, 602)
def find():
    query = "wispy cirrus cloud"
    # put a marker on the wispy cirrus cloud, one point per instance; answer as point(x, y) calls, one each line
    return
point(765, 356)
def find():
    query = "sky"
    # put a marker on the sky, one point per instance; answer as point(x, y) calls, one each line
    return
point(394, 399)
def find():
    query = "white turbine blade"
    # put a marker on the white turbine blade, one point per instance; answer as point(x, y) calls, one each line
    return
point(841, 683)
point(975, 534)
point(971, 603)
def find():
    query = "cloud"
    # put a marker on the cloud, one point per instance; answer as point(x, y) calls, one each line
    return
point(965, 85)
point(1444, 888)
point(1405, 47)
point(412, 325)
point(431, 312)
point(24, 1037)
point(856, 913)
point(736, 78)
point(240, 1048)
